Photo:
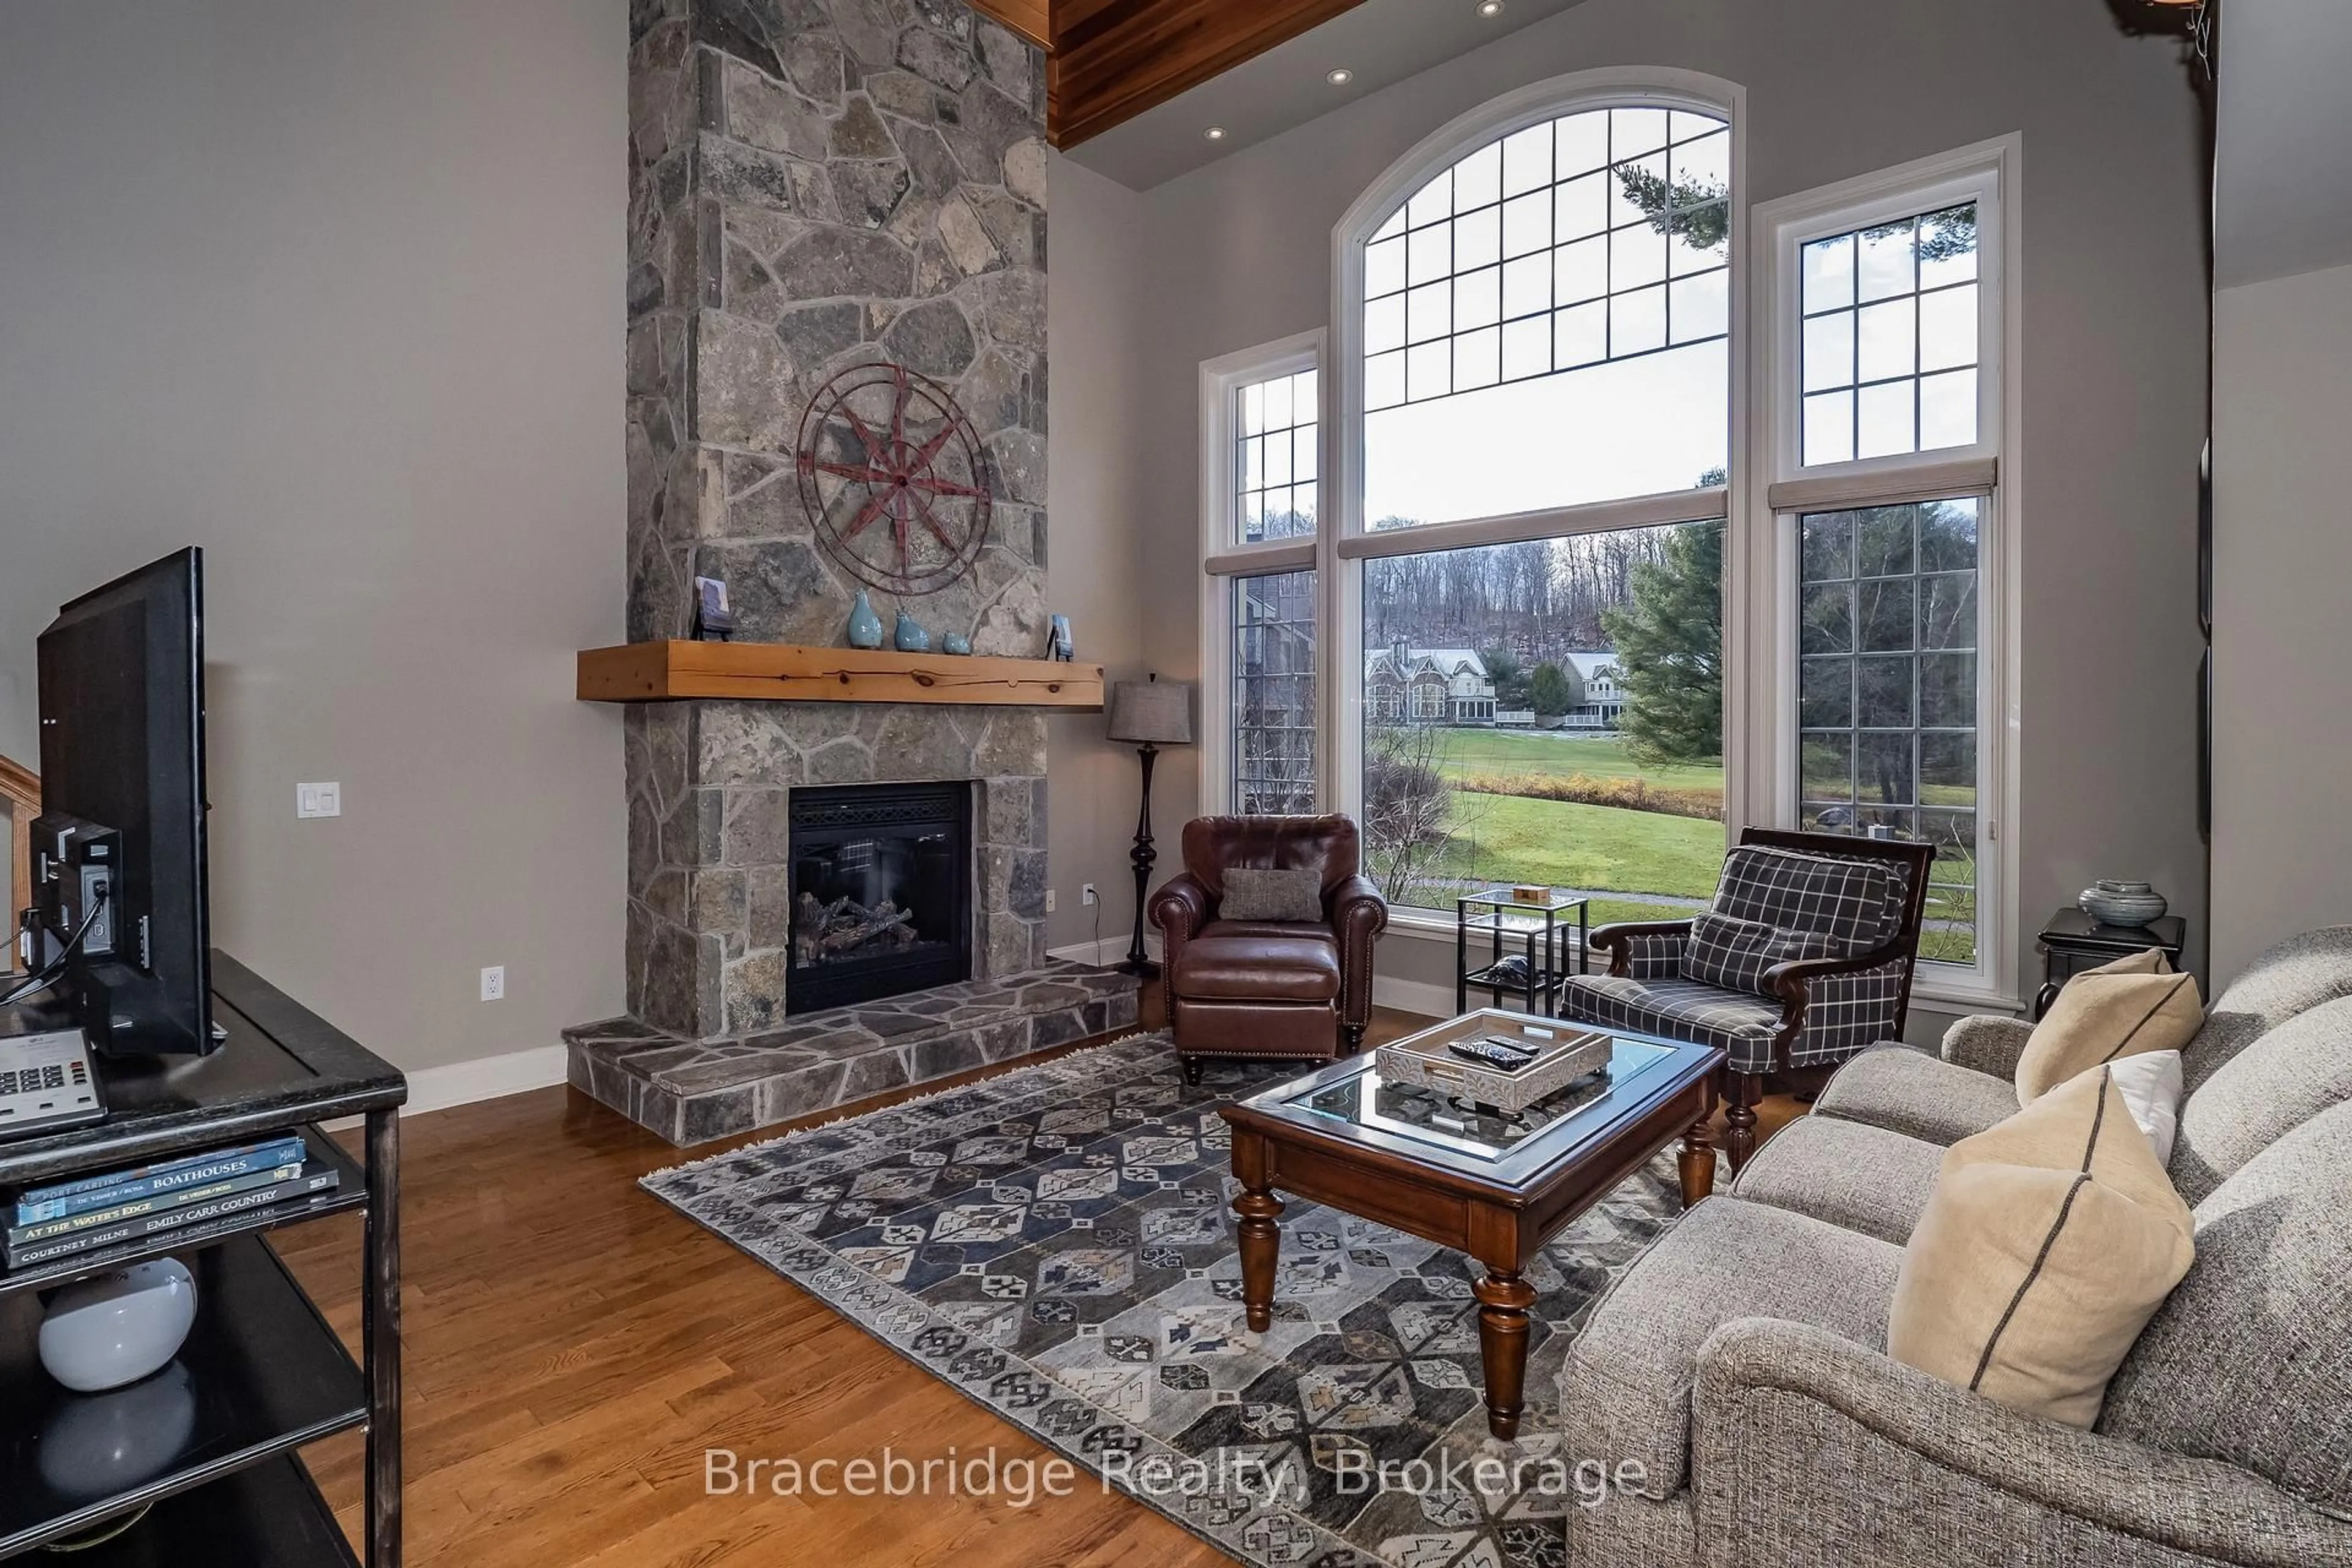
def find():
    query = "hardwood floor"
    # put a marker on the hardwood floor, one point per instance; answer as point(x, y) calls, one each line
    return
point(572, 1347)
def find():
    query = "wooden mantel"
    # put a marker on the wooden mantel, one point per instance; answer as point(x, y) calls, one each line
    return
point(780, 672)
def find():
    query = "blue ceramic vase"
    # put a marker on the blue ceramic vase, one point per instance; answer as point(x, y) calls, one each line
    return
point(911, 637)
point(864, 625)
point(955, 643)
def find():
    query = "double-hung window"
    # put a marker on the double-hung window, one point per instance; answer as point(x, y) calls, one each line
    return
point(1890, 500)
point(1261, 414)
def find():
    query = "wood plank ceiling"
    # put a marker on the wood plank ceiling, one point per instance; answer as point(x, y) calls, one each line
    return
point(1110, 61)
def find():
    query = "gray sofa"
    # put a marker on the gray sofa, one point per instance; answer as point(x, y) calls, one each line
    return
point(1741, 1359)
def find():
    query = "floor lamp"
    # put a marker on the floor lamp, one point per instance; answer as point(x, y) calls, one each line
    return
point(1152, 715)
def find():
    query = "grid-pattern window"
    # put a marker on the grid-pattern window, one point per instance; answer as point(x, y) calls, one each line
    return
point(1890, 351)
point(1887, 697)
point(1273, 693)
point(1592, 237)
point(1275, 459)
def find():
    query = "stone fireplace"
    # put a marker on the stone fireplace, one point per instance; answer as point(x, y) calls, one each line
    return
point(816, 184)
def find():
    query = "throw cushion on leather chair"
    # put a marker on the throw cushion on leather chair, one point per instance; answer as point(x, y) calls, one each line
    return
point(2047, 1245)
point(1255, 894)
point(2104, 1014)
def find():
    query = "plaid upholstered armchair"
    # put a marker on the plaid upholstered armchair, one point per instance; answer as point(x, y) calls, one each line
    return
point(1802, 962)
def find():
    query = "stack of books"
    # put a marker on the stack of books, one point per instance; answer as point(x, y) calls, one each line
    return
point(91, 1211)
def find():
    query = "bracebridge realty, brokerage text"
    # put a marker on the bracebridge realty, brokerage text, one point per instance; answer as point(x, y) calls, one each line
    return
point(1020, 1482)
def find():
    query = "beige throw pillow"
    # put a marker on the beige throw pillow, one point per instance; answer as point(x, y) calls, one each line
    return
point(2119, 1009)
point(2048, 1243)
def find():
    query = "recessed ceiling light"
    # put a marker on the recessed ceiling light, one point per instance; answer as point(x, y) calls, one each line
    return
point(1339, 76)
point(1214, 133)
point(1490, 7)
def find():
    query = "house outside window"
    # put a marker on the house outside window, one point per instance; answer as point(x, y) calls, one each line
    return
point(1555, 277)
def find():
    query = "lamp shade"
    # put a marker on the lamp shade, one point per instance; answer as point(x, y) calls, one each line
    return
point(1153, 712)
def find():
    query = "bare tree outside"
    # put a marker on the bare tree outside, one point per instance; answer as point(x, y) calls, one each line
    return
point(1409, 805)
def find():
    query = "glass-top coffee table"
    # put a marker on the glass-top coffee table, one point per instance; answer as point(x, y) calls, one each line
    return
point(1496, 1187)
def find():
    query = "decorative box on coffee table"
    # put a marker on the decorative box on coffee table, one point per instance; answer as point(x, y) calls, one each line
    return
point(1564, 1054)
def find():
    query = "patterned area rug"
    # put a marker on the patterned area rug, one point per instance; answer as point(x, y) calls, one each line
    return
point(1056, 1243)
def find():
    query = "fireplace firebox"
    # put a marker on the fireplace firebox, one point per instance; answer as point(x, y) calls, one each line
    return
point(881, 892)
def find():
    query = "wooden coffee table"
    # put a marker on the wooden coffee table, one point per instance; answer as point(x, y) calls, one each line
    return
point(1496, 1188)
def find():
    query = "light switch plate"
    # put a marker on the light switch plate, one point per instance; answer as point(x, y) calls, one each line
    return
point(317, 800)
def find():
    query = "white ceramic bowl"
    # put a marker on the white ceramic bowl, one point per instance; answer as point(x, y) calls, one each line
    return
point(2119, 903)
point(117, 1327)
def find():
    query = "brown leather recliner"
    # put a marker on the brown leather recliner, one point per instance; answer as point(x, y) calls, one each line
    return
point(1266, 988)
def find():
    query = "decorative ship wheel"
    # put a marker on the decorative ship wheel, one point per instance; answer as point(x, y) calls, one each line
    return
point(894, 477)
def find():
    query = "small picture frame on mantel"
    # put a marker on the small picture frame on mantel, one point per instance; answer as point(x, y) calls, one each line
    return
point(713, 621)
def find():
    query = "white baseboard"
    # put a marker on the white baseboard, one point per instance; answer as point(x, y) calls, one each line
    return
point(1110, 950)
point(484, 1078)
point(1412, 996)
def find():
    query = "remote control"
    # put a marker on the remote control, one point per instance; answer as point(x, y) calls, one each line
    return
point(1509, 1044)
point(1487, 1054)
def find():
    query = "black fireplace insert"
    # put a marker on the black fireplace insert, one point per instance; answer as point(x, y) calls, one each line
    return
point(881, 892)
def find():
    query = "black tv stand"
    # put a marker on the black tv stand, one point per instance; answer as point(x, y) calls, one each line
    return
point(262, 1372)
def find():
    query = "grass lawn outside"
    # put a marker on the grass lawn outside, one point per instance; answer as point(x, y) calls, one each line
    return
point(1501, 839)
point(1507, 753)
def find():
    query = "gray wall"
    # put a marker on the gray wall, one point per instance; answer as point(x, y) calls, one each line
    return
point(2282, 345)
point(2282, 642)
point(1099, 324)
point(2113, 380)
point(336, 292)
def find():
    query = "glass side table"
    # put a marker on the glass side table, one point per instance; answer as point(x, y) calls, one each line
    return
point(1502, 917)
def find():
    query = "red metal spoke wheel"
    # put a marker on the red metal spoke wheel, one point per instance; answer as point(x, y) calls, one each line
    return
point(894, 478)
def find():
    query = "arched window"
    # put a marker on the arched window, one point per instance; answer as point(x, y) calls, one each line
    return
point(1533, 401)
point(1495, 504)
point(1546, 321)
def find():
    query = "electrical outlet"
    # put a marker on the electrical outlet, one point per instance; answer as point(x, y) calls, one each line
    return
point(317, 800)
point(1049, 900)
point(494, 982)
point(1086, 895)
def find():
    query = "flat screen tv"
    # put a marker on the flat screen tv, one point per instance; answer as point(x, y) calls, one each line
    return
point(122, 809)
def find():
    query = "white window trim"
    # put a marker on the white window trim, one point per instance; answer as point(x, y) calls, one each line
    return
point(1223, 557)
point(1987, 172)
point(1342, 539)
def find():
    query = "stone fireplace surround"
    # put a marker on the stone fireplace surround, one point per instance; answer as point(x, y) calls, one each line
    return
point(710, 831)
point(815, 184)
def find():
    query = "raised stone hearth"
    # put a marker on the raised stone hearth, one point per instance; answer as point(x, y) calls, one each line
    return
point(692, 1092)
